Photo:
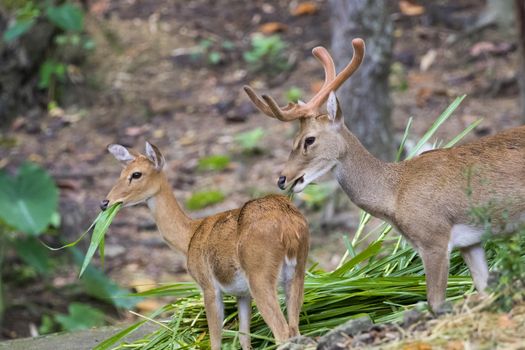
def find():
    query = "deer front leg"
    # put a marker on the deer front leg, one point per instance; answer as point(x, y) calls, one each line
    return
point(474, 257)
point(214, 315)
point(436, 263)
point(245, 314)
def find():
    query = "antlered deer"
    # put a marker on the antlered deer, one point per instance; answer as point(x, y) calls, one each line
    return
point(428, 198)
point(245, 252)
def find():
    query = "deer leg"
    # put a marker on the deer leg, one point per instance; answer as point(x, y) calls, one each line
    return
point(264, 290)
point(294, 299)
point(245, 313)
point(474, 256)
point(436, 263)
point(214, 315)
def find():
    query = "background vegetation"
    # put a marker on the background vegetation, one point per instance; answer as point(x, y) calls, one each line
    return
point(78, 75)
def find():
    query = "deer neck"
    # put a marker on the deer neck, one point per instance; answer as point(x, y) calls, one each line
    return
point(174, 225)
point(369, 182)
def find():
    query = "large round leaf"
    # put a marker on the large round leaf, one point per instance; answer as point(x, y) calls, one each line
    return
point(67, 17)
point(28, 200)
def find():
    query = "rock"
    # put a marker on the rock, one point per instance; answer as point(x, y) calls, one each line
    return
point(444, 309)
point(298, 343)
point(241, 112)
point(410, 317)
point(339, 338)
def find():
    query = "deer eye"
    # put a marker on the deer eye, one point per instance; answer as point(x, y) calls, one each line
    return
point(136, 175)
point(309, 141)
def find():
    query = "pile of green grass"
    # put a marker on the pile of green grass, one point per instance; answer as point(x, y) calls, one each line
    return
point(381, 280)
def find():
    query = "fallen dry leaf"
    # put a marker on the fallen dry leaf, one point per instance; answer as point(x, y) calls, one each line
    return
point(423, 95)
point(417, 346)
point(487, 47)
point(272, 27)
point(427, 60)
point(148, 305)
point(409, 8)
point(136, 130)
point(504, 321)
point(99, 7)
point(143, 284)
point(455, 345)
point(316, 86)
point(305, 8)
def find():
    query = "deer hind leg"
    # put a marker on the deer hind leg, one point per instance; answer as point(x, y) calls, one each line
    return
point(436, 263)
point(294, 289)
point(474, 257)
point(245, 313)
point(263, 286)
point(214, 315)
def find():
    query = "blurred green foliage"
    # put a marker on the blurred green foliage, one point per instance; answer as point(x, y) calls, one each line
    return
point(28, 208)
point(216, 162)
point(268, 54)
point(202, 199)
point(316, 195)
point(80, 316)
point(249, 140)
point(294, 94)
point(69, 40)
point(508, 276)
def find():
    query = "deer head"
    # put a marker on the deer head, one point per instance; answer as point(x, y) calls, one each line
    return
point(320, 141)
point(140, 179)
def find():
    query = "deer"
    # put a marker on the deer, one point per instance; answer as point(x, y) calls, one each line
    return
point(428, 199)
point(246, 252)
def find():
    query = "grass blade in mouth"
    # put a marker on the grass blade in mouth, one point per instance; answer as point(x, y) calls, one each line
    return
point(97, 238)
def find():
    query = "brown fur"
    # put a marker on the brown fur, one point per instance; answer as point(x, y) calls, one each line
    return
point(252, 241)
point(429, 198)
point(426, 197)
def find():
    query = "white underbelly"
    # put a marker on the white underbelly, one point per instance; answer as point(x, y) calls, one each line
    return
point(239, 286)
point(462, 236)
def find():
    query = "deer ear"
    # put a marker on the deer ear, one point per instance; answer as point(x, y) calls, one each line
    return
point(153, 154)
point(334, 111)
point(121, 153)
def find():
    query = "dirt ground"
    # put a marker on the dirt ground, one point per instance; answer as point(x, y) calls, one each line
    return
point(142, 83)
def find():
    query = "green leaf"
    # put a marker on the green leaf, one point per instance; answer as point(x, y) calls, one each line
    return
point(370, 251)
point(101, 227)
point(47, 325)
point(17, 29)
point(101, 287)
point(50, 70)
point(108, 343)
point(215, 162)
point(294, 94)
point(315, 195)
point(28, 200)
point(81, 316)
point(249, 140)
point(202, 199)
point(68, 17)
point(214, 57)
point(33, 253)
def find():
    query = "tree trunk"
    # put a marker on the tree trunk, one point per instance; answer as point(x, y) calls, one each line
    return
point(365, 97)
point(520, 21)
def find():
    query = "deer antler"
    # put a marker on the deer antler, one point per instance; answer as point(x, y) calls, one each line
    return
point(332, 82)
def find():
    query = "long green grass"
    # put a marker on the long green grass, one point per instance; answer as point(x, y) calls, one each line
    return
point(380, 280)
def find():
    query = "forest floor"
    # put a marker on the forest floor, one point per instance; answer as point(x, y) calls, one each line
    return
point(145, 82)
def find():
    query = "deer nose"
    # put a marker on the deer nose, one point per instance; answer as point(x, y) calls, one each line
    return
point(281, 182)
point(104, 204)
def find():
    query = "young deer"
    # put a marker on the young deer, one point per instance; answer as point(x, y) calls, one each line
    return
point(245, 252)
point(428, 198)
